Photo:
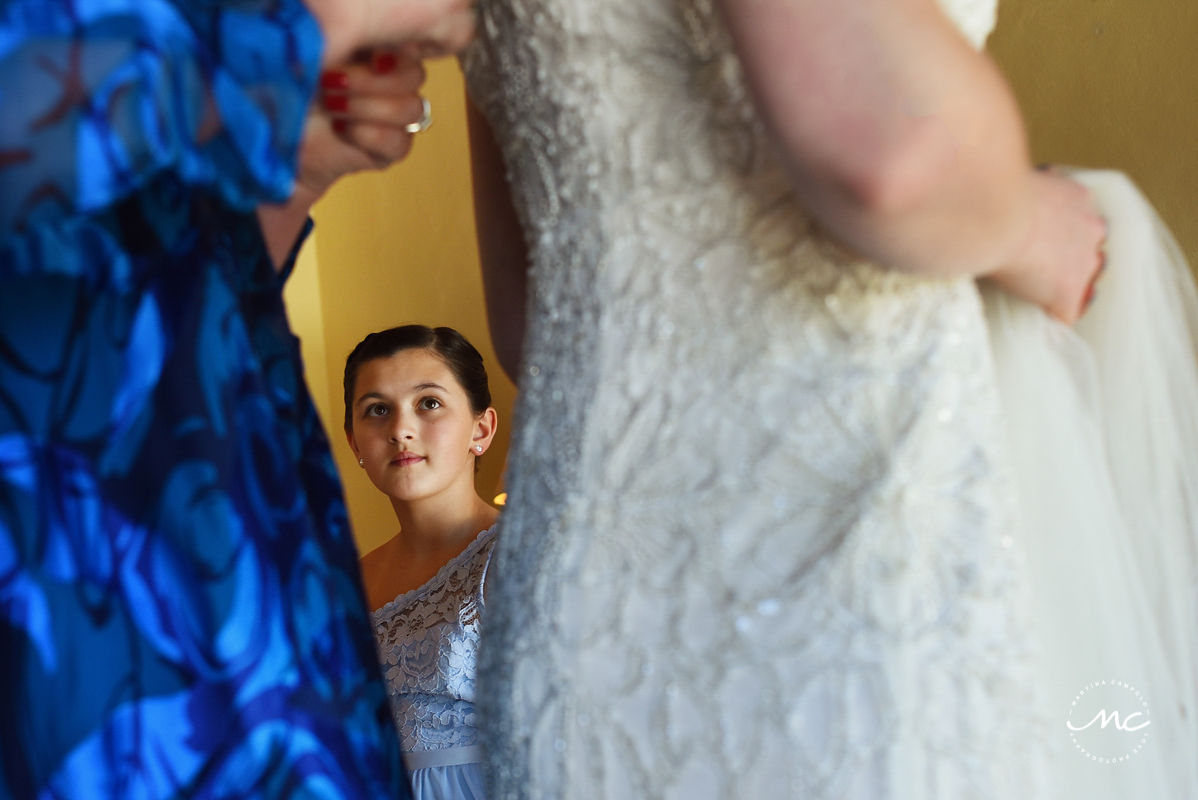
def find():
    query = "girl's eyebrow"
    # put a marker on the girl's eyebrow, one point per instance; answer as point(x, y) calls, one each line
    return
point(369, 396)
point(422, 387)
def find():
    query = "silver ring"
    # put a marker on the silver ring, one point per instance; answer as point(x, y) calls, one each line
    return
point(426, 118)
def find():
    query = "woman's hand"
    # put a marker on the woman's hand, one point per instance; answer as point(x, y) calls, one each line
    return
point(360, 121)
point(1063, 254)
point(425, 28)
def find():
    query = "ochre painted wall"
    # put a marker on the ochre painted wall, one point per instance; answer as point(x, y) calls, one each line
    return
point(305, 309)
point(1102, 82)
point(1112, 83)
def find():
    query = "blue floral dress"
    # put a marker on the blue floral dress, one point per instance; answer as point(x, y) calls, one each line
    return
point(180, 608)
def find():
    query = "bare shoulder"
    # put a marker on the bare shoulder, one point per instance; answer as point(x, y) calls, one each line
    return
point(377, 568)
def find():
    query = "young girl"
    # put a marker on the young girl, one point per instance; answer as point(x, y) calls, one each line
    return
point(418, 415)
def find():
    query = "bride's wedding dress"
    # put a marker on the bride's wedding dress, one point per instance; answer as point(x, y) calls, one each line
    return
point(782, 524)
point(1102, 424)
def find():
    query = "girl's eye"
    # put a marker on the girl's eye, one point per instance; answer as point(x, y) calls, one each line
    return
point(376, 410)
point(430, 403)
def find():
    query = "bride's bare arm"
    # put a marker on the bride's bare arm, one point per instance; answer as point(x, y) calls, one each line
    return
point(501, 247)
point(907, 143)
point(901, 138)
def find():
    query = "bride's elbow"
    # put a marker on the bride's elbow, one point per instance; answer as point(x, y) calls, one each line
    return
point(913, 204)
point(898, 177)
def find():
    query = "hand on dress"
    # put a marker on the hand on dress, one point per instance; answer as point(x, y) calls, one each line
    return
point(1063, 256)
point(426, 28)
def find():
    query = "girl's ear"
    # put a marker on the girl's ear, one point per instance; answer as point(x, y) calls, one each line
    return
point(349, 437)
point(484, 431)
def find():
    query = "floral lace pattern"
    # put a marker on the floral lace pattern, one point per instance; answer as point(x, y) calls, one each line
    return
point(428, 646)
point(780, 562)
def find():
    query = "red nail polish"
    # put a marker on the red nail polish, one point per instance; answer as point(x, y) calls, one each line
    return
point(334, 80)
point(385, 63)
point(340, 126)
point(335, 102)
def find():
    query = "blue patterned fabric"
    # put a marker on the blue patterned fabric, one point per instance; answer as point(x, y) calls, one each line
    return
point(180, 608)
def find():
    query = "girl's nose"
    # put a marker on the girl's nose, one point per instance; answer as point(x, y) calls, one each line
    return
point(401, 430)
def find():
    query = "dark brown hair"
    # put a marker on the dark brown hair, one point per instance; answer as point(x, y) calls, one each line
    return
point(447, 344)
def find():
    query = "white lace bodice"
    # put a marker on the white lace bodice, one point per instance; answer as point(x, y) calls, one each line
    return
point(758, 534)
point(428, 646)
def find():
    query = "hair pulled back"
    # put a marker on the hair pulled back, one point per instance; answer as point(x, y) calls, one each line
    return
point(463, 360)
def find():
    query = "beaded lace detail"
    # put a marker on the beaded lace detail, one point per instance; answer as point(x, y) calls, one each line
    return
point(428, 646)
point(758, 542)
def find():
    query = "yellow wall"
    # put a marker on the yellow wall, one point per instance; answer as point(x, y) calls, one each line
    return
point(1103, 83)
point(1112, 83)
point(305, 309)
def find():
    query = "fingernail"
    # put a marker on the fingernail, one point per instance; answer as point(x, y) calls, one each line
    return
point(340, 126)
point(334, 80)
point(385, 62)
point(334, 102)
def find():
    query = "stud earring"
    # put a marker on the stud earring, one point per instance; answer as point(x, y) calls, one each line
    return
point(361, 462)
point(478, 448)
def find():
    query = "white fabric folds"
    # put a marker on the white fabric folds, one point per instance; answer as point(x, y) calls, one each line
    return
point(1103, 427)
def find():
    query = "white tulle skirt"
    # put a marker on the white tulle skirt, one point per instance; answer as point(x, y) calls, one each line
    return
point(1103, 425)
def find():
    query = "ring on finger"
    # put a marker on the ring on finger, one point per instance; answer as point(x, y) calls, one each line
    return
point(426, 118)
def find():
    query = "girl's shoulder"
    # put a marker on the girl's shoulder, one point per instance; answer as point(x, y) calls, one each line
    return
point(376, 569)
point(468, 566)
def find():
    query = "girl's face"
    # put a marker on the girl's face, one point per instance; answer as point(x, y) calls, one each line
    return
point(413, 427)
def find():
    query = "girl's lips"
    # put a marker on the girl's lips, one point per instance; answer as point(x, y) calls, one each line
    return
point(406, 459)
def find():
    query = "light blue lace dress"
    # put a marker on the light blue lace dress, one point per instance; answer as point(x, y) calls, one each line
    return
point(428, 647)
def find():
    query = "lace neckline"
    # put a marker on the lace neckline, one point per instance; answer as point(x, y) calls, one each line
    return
point(404, 599)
